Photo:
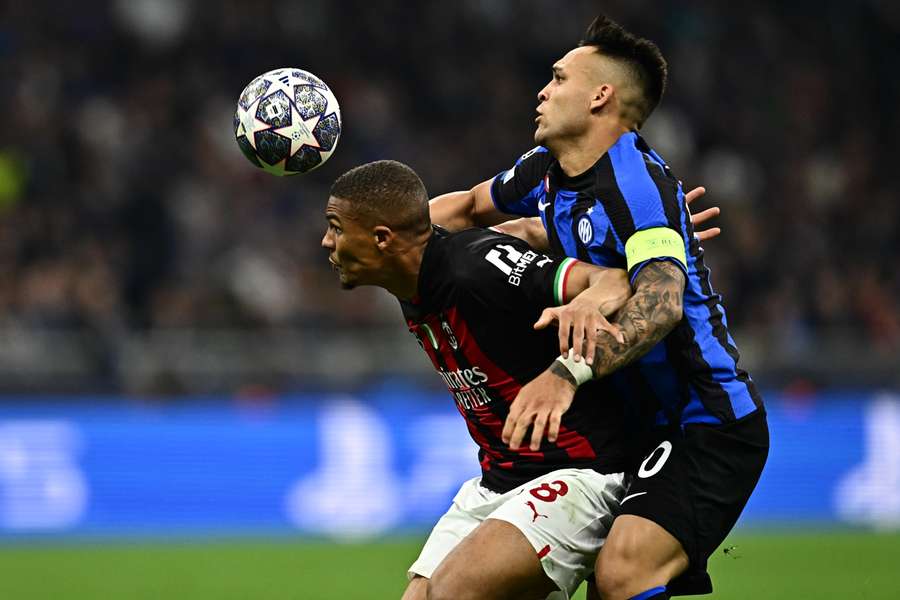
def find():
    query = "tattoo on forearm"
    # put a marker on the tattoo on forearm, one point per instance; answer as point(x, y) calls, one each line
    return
point(648, 316)
point(561, 371)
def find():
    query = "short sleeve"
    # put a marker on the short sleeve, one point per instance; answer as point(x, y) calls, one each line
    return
point(518, 190)
point(651, 220)
point(505, 270)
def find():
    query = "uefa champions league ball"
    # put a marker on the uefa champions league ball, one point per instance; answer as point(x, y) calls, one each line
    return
point(287, 122)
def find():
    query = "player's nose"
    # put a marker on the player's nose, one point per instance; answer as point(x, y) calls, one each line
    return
point(327, 241)
point(543, 94)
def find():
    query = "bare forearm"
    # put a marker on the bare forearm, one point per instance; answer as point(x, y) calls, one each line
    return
point(647, 317)
point(608, 289)
point(529, 229)
point(460, 210)
point(453, 211)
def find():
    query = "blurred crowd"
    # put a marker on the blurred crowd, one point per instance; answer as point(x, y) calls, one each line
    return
point(127, 209)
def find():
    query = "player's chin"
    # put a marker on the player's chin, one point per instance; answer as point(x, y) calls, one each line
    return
point(540, 135)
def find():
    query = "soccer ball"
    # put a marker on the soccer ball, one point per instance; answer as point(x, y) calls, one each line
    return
point(287, 122)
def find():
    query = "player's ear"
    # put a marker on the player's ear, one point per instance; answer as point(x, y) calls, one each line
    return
point(602, 95)
point(384, 237)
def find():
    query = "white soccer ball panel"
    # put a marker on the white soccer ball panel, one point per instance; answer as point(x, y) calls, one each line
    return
point(287, 122)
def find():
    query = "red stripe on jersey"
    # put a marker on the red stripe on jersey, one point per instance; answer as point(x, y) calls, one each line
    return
point(491, 453)
point(575, 444)
point(544, 552)
point(500, 380)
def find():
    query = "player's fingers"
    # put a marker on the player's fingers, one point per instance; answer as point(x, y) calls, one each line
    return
point(521, 427)
point(694, 194)
point(578, 335)
point(705, 215)
point(708, 234)
point(537, 432)
point(565, 326)
point(553, 424)
point(547, 318)
point(510, 423)
point(613, 330)
point(590, 340)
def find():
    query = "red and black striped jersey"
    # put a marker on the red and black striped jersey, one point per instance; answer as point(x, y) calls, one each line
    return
point(479, 295)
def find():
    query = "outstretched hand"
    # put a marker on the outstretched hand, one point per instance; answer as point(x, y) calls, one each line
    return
point(702, 216)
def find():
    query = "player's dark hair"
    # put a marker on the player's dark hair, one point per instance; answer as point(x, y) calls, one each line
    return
point(640, 56)
point(386, 192)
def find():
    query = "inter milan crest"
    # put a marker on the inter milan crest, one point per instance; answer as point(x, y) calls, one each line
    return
point(585, 230)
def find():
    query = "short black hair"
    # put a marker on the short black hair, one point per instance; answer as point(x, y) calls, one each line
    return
point(640, 56)
point(386, 192)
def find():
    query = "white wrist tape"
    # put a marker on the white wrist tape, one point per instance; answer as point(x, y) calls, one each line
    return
point(580, 370)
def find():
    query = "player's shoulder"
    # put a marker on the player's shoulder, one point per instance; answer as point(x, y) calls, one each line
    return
point(474, 242)
point(631, 156)
point(537, 153)
point(469, 253)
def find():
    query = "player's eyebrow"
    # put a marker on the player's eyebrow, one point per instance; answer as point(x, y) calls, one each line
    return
point(557, 69)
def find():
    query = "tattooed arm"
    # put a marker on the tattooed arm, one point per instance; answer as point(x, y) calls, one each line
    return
point(647, 317)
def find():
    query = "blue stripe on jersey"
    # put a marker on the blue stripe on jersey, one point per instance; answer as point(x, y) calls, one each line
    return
point(699, 314)
point(695, 412)
point(661, 376)
point(642, 195)
point(562, 220)
point(524, 207)
point(636, 184)
point(647, 210)
point(602, 228)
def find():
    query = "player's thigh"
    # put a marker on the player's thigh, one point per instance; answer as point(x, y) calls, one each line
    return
point(417, 589)
point(471, 506)
point(639, 550)
point(651, 540)
point(566, 516)
point(494, 562)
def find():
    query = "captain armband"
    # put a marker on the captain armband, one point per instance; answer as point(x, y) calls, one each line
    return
point(580, 370)
point(659, 242)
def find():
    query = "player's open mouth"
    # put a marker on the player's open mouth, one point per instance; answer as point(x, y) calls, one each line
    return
point(336, 267)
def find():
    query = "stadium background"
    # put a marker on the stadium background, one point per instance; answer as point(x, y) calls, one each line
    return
point(192, 408)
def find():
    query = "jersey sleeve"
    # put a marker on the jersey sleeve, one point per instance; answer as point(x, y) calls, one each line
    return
point(505, 273)
point(518, 190)
point(651, 222)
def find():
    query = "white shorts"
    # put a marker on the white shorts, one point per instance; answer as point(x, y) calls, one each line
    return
point(566, 515)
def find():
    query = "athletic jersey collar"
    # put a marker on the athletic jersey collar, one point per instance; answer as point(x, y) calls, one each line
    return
point(588, 177)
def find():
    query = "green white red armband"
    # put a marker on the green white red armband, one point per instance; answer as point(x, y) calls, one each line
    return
point(559, 283)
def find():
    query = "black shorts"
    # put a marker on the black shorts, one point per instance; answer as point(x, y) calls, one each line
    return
point(695, 483)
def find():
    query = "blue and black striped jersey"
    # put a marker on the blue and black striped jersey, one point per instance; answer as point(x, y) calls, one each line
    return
point(692, 375)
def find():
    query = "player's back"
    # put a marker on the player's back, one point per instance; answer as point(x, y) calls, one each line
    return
point(480, 293)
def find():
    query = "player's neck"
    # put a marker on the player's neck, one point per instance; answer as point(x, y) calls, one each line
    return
point(403, 278)
point(577, 155)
